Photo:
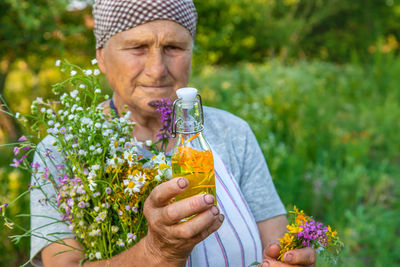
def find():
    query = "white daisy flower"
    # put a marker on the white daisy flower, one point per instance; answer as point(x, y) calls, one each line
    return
point(131, 186)
point(95, 167)
point(74, 93)
point(92, 185)
point(159, 159)
point(140, 178)
point(94, 61)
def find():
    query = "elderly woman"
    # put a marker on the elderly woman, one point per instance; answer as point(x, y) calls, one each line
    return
point(145, 50)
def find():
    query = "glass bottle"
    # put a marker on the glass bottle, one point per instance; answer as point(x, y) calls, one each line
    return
point(191, 157)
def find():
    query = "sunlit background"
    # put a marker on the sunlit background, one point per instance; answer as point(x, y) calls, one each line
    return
point(317, 80)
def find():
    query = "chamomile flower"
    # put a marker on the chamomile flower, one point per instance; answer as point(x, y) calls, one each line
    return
point(131, 185)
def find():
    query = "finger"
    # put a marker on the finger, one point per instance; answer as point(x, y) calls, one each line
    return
point(301, 256)
point(273, 251)
point(184, 208)
point(163, 193)
point(274, 263)
point(198, 224)
point(214, 227)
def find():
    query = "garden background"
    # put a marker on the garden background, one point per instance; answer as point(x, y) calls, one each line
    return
point(317, 80)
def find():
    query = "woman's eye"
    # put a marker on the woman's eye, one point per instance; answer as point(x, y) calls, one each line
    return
point(137, 47)
point(172, 48)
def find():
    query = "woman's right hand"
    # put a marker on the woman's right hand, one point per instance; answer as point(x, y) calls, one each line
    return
point(168, 243)
point(168, 240)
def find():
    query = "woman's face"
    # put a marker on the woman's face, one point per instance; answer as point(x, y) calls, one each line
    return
point(147, 63)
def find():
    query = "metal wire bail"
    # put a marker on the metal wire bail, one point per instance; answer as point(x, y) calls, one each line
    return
point(174, 123)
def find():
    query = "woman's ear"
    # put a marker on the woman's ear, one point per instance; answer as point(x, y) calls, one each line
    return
point(100, 60)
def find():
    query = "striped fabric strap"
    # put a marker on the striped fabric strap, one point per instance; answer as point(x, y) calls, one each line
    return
point(237, 242)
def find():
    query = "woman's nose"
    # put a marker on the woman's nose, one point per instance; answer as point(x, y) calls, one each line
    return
point(155, 64)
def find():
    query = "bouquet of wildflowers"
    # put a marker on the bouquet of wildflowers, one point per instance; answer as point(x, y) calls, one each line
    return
point(103, 180)
point(304, 231)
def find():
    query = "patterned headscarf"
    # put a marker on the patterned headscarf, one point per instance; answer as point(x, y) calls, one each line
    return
point(114, 16)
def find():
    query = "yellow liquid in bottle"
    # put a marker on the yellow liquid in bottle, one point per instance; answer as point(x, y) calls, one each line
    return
point(198, 168)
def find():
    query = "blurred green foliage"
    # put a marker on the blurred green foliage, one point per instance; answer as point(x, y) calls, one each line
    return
point(330, 135)
point(230, 31)
point(317, 80)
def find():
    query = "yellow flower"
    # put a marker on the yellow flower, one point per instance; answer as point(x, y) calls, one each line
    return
point(163, 166)
point(287, 243)
point(293, 229)
point(331, 233)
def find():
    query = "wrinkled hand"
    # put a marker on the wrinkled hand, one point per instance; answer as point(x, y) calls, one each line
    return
point(169, 240)
point(296, 257)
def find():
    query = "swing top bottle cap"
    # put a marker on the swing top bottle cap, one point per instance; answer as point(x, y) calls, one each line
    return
point(187, 95)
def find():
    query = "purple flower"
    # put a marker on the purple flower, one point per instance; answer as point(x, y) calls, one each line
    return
point(127, 207)
point(16, 151)
point(81, 204)
point(35, 165)
point(17, 162)
point(46, 173)
point(61, 166)
point(164, 108)
point(131, 236)
point(70, 202)
point(48, 153)
point(312, 231)
point(22, 139)
point(26, 148)
point(63, 179)
point(108, 190)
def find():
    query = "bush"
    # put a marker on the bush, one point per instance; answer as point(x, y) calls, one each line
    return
point(330, 136)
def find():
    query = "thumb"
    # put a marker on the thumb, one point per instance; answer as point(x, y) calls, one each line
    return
point(272, 251)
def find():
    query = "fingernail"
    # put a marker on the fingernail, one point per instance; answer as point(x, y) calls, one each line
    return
point(288, 257)
point(265, 264)
point(214, 210)
point(221, 218)
point(209, 199)
point(182, 183)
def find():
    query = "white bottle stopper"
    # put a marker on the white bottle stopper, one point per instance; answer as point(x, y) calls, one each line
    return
point(188, 96)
